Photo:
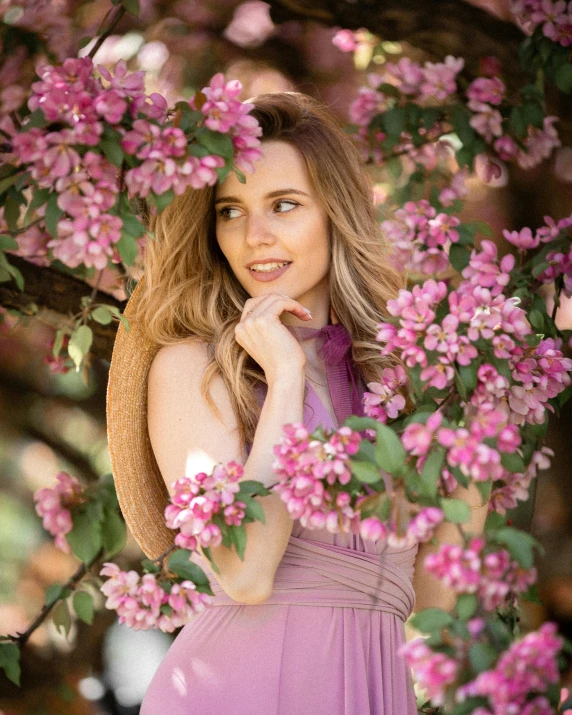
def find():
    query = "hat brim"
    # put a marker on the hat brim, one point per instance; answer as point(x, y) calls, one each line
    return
point(141, 490)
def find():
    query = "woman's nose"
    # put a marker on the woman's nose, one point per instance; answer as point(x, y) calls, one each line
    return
point(258, 230)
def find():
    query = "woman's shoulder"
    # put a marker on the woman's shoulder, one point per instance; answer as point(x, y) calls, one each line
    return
point(191, 350)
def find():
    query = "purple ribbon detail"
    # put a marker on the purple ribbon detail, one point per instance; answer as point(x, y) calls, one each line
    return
point(333, 344)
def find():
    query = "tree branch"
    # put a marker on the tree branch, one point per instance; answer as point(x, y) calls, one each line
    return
point(438, 27)
point(49, 288)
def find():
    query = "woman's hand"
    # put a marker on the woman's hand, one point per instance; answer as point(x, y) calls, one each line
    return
point(266, 339)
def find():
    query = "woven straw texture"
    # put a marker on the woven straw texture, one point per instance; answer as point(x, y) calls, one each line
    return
point(141, 491)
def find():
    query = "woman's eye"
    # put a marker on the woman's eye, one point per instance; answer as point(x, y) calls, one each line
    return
point(228, 212)
point(289, 204)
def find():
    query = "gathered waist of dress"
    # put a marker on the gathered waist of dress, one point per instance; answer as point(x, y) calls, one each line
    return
point(312, 573)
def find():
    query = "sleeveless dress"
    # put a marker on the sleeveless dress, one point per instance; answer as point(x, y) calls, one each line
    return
point(326, 641)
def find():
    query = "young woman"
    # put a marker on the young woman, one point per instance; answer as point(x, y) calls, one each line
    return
point(262, 301)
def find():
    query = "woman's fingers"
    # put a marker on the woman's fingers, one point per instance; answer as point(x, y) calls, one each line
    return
point(274, 304)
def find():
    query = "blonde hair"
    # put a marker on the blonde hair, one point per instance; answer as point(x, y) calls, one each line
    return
point(191, 291)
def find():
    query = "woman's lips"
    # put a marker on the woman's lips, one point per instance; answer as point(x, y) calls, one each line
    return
point(265, 276)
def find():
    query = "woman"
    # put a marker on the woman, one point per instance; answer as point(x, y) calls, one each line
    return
point(265, 298)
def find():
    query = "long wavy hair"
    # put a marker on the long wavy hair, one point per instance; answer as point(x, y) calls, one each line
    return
point(190, 290)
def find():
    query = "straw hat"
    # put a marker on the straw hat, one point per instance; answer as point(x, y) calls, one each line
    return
point(141, 491)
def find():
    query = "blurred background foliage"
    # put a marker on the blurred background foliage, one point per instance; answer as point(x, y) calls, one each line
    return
point(53, 421)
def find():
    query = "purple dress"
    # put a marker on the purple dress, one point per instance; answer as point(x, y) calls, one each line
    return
point(326, 641)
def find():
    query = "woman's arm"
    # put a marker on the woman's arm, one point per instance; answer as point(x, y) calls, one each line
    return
point(188, 438)
point(429, 591)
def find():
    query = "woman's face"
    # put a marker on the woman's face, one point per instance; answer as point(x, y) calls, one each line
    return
point(276, 218)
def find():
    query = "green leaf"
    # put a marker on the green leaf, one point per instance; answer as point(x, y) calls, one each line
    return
point(112, 151)
point(127, 247)
point(494, 522)
point(394, 121)
point(460, 120)
point(483, 227)
point(254, 510)
point(533, 114)
point(536, 319)
point(207, 553)
point(9, 181)
point(83, 606)
point(238, 538)
point(11, 213)
point(179, 564)
point(482, 656)
point(360, 424)
point(58, 342)
point(389, 452)
point(150, 566)
point(102, 315)
point(216, 142)
point(62, 618)
point(238, 173)
point(8, 243)
point(132, 225)
point(53, 215)
point(365, 472)
point(513, 462)
point(467, 605)
point(532, 595)
point(563, 78)
point(79, 344)
point(161, 201)
point(432, 471)
point(366, 452)
point(459, 257)
point(85, 537)
point(132, 6)
point(456, 510)
point(517, 121)
point(113, 533)
point(53, 593)
point(519, 544)
point(431, 619)
point(250, 486)
point(10, 661)
point(468, 375)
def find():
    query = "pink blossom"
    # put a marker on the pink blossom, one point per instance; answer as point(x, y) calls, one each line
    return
point(522, 239)
point(407, 75)
point(440, 77)
point(486, 121)
point(54, 504)
point(422, 527)
point(345, 40)
point(485, 89)
point(417, 437)
point(368, 103)
point(433, 671)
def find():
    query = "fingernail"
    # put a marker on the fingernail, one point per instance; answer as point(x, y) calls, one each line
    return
point(307, 311)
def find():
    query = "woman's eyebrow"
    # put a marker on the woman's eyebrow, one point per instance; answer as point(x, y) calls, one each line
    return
point(271, 195)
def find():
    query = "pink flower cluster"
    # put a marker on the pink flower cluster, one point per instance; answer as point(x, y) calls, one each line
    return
point(142, 603)
point(306, 467)
point(165, 164)
point(514, 487)
point(528, 666)
point(555, 16)
point(54, 504)
point(349, 40)
point(198, 498)
point(492, 575)
point(225, 113)
point(560, 260)
point(419, 236)
point(434, 672)
point(96, 115)
point(406, 525)
point(430, 81)
point(386, 399)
